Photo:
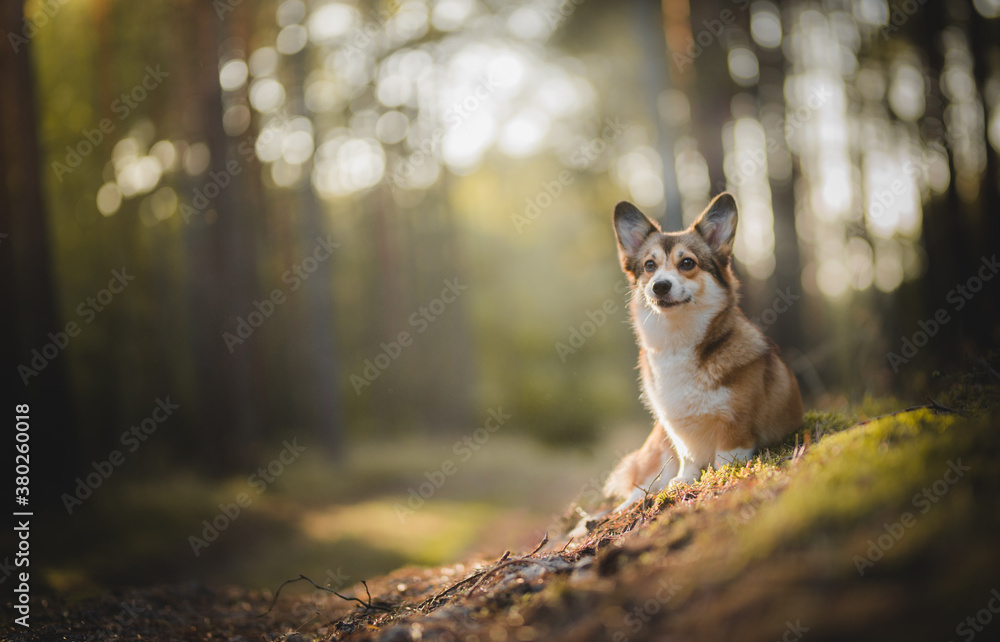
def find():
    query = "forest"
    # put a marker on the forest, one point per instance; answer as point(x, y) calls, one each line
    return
point(331, 288)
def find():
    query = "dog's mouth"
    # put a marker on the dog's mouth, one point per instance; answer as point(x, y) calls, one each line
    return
point(663, 304)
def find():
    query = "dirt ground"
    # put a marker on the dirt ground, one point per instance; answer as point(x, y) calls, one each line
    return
point(857, 528)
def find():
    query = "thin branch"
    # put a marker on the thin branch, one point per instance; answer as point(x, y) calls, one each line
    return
point(451, 588)
point(300, 578)
point(463, 582)
point(545, 540)
point(645, 491)
point(368, 592)
point(522, 560)
point(986, 364)
point(936, 406)
point(933, 405)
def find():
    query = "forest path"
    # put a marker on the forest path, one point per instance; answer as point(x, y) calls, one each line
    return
point(854, 528)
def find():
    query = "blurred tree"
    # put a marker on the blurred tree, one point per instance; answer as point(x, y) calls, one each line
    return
point(420, 198)
point(222, 269)
point(317, 390)
point(28, 282)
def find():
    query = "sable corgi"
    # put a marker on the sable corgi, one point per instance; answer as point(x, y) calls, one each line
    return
point(715, 384)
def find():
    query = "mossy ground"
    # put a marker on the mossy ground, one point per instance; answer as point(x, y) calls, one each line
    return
point(857, 527)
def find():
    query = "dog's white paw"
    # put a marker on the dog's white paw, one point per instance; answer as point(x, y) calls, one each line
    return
point(734, 456)
point(581, 530)
point(586, 524)
point(636, 495)
point(682, 480)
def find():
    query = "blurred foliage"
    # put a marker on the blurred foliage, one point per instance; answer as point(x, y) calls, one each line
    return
point(215, 150)
point(454, 141)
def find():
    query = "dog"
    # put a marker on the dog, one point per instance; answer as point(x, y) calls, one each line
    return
point(715, 384)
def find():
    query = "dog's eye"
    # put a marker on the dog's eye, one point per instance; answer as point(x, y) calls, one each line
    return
point(650, 266)
point(687, 264)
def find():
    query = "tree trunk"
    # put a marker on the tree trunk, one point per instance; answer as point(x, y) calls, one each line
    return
point(222, 280)
point(28, 285)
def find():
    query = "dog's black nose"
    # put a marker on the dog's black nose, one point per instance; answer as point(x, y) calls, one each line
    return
point(661, 287)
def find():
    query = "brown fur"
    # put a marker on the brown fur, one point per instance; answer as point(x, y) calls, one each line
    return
point(751, 398)
point(645, 463)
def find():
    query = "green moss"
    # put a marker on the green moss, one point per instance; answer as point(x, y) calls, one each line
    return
point(765, 465)
point(970, 396)
point(852, 474)
point(819, 424)
point(783, 534)
point(845, 482)
point(877, 406)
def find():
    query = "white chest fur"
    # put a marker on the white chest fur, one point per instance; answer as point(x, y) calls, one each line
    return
point(678, 388)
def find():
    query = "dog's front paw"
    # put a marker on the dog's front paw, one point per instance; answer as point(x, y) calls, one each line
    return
point(636, 495)
point(682, 480)
point(582, 529)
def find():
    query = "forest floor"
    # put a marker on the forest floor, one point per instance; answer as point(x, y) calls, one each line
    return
point(876, 524)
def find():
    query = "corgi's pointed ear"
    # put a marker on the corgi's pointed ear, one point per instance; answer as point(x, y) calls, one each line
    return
point(717, 224)
point(631, 228)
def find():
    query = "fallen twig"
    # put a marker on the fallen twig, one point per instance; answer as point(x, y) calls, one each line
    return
point(520, 560)
point(933, 405)
point(647, 489)
point(936, 406)
point(463, 582)
point(300, 578)
point(986, 364)
point(451, 588)
point(545, 540)
point(800, 449)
